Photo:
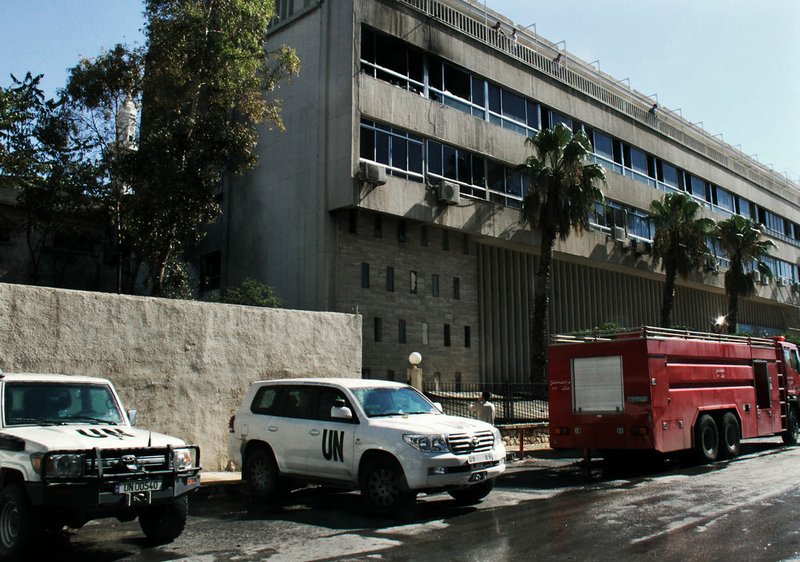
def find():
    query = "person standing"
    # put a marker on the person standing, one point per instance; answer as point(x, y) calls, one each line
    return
point(483, 408)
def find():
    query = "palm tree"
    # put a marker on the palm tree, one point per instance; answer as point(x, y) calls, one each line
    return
point(740, 239)
point(679, 243)
point(562, 191)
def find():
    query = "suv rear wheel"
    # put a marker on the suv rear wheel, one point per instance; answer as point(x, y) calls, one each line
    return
point(384, 487)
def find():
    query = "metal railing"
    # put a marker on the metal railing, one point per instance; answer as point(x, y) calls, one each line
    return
point(514, 403)
point(546, 57)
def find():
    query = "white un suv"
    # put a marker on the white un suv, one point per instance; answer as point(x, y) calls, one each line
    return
point(383, 437)
point(69, 453)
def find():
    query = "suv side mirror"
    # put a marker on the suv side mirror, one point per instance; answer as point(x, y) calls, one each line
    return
point(341, 413)
point(439, 407)
point(133, 416)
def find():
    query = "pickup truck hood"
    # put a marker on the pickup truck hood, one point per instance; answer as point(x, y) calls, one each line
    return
point(430, 423)
point(82, 437)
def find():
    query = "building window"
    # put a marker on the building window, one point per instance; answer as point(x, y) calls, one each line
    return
point(465, 244)
point(390, 375)
point(211, 266)
point(378, 227)
point(447, 335)
point(458, 381)
point(423, 236)
point(398, 150)
point(467, 337)
point(390, 279)
point(401, 331)
point(413, 281)
point(424, 333)
point(401, 231)
point(445, 241)
point(352, 221)
point(364, 275)
point(435, 285)
point(366, 373)
point(456, 288)
point(378, 329)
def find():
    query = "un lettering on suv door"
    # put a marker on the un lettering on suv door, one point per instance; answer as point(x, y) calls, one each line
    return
point(333, 455)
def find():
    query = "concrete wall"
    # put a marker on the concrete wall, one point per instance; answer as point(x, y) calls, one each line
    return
point(183, 364)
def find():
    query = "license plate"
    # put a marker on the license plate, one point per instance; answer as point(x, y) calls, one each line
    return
point(134, 486)
point(479, 457)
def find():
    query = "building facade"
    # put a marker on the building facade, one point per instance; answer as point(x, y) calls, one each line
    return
point(393, 191)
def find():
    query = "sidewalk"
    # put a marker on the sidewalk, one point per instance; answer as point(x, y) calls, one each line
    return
point(230, 482)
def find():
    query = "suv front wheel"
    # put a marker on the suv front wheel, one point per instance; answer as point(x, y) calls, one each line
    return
point(384, 487)
point(15, 522)
point(261, 473)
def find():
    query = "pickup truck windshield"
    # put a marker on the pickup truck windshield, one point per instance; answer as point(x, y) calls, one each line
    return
point(393, 402)
point(33, 403)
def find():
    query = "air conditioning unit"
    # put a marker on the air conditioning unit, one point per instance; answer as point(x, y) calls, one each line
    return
point(641, 247)
point(619, 234)
point(448, 192)
point(780, 281)
point(796, 287)
point(371, 173)
point(756, 277)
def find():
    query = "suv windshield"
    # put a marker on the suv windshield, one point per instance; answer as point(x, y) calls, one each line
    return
point(59, 403)
point(393, 401)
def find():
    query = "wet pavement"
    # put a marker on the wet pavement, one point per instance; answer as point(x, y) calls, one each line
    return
point(548, 506)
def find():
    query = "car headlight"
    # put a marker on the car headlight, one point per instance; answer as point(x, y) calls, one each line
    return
point(428, 443)
point(184, 458)
point(66, 465)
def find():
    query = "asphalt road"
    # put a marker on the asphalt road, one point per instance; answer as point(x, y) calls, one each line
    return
point(545, 508)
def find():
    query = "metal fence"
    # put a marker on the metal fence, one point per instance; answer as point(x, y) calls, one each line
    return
point(514, 403)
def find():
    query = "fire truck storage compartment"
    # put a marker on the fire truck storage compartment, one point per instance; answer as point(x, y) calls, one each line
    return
point(597, 384)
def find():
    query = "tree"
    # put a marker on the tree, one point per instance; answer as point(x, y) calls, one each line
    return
point(741, 240)
point(206, 74)
point(251, 293)
point(679, 243)
point(42, 159)
point(104, 95)
point(562, 191)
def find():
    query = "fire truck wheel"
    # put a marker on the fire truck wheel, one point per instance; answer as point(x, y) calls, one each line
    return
point(706, 439)
point(792, 434)
point(729, 436)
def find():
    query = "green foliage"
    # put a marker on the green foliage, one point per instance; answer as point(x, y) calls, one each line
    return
point(104, 96)
point(562, 192)
point(252, 293)
point(42, 159)
point(203, 96)
point(679, 243)
point(741, 240)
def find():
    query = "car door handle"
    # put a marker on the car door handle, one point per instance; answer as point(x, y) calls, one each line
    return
point(314, 432)
point(272, 428)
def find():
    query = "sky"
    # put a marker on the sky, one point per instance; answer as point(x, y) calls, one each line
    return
point(731, 66)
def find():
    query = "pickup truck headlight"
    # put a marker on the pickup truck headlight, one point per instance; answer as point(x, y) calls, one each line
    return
point(184, 458)
point(66, 465)
point(428, 443)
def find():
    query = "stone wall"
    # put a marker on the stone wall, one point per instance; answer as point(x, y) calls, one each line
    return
point(183, 365)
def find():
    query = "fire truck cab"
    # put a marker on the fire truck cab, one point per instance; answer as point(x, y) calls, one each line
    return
point(656, 389)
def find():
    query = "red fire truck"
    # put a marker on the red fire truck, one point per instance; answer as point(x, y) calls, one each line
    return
point(654, 389)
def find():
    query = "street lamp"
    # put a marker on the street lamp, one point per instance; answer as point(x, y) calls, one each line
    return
point(414, 372)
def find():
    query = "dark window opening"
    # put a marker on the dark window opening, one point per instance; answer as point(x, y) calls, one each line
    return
point(364, 275)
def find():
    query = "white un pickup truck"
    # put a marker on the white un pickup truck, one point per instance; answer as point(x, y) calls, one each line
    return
point(382, 437)
point(69, 453)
